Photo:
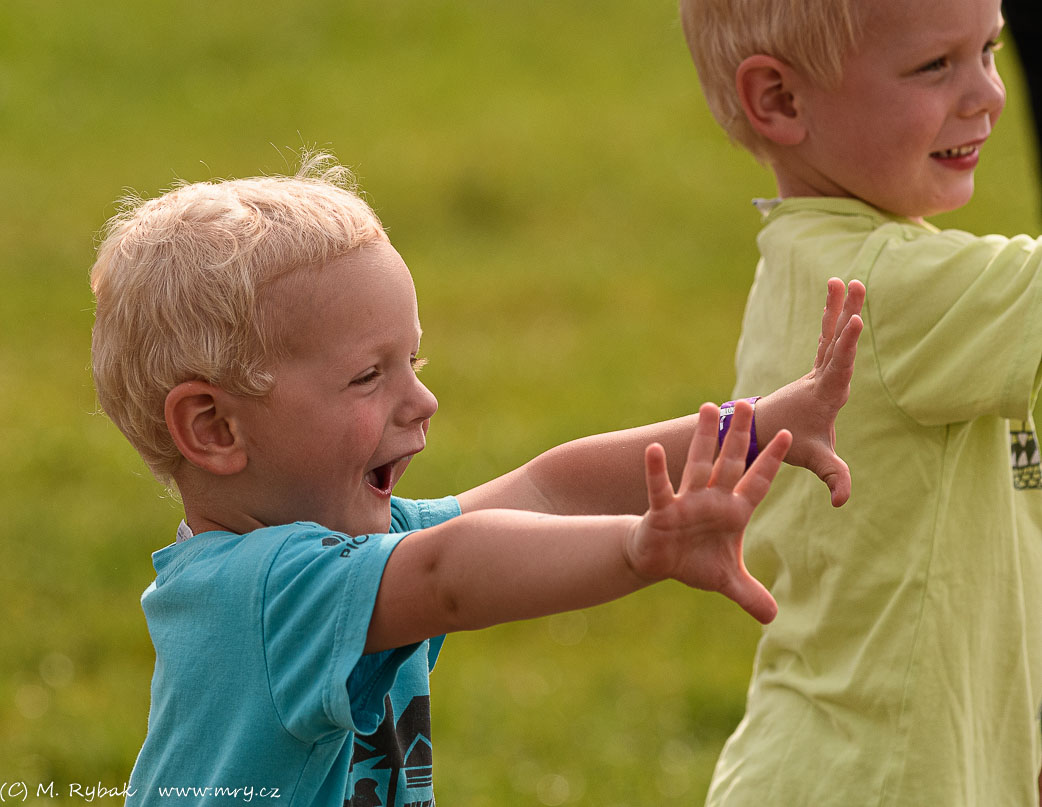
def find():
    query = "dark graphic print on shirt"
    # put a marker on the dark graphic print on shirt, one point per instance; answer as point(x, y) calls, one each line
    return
point(393, 767)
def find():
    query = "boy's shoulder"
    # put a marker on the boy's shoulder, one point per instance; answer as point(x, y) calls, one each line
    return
point(420, 514)
point(854, 215)
point(841, 212)
point(256, 552)
point(843, 229)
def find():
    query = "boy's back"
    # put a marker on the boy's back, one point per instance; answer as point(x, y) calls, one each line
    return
point(905, 666)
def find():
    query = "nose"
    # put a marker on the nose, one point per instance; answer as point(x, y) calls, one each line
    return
point(985, 95)
point(421, 403)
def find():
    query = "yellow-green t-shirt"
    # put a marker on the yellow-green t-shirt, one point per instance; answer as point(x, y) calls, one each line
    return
point(905, 664)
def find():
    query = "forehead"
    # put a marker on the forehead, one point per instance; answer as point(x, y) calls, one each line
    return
point(362, 293)
point(927, 23)
point(368, 275)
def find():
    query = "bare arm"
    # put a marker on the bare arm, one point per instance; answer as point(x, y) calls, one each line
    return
point(601, 474)
point(495, 566)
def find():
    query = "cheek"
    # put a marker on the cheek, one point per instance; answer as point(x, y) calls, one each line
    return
point(856, 135)
point(910, 123)
point(363, 435)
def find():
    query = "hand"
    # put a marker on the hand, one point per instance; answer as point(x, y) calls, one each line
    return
point(694, 534)
point(809, 405)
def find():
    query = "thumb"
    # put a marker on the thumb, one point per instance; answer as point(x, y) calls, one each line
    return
point(752, 596)
point(835, 473)
point(656, 476)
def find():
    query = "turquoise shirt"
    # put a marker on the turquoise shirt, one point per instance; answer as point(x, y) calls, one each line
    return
point(261, 691)
point(904, 668)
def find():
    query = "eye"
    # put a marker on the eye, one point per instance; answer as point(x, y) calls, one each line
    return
point(990, 49)
point(366, 378)
point(934, 66)
point(417, 363)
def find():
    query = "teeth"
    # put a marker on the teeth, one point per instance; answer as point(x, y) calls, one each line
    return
point(962, 151)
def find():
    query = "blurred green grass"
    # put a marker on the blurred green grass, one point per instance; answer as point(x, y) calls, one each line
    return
point(582, 242)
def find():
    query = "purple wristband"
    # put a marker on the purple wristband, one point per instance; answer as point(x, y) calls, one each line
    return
point(726, 413)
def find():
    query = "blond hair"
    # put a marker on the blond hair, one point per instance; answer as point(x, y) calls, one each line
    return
point(179, 282)
point(813, 36)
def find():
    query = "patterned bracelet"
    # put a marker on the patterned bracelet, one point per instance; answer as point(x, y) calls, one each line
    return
point(726, 413)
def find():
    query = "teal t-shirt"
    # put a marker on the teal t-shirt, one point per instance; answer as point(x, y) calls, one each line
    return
point(261, 690)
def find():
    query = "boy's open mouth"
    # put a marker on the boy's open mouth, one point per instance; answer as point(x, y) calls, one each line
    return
point(381, 478)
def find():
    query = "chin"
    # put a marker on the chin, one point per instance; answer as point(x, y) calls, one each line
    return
point(953, 200)
point(930, 207)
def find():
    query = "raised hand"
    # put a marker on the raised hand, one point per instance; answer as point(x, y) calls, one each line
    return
point(694, 534)
point(809, 405)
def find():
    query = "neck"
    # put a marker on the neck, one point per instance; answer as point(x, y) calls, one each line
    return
point(799, 184)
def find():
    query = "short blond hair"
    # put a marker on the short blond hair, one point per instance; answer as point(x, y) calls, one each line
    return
point(179, 282)
point(813, 36)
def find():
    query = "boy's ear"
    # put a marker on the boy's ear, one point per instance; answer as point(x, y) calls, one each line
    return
point(766, 90)
point(202, 422)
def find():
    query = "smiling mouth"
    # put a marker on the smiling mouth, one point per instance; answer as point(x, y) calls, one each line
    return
point(381, 478)
point(961, 151)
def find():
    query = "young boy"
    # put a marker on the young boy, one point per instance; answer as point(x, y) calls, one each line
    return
point(906, 665)
point(257, 341)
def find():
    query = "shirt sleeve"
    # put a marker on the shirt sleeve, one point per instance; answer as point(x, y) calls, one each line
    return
point(319, 599)
point(414, 514)
point(419, 514)
point(955, 323)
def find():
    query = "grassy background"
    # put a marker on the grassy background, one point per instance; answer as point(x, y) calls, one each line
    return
point(582, 241)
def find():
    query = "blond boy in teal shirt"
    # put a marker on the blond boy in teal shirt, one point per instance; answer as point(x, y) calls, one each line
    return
point(258, 343)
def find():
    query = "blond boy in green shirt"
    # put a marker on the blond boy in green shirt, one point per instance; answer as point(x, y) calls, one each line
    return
point(905, 667)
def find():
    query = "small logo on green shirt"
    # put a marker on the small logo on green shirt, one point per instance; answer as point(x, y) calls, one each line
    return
point(1024, 456)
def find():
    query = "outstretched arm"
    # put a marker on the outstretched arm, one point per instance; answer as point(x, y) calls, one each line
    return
point(495, 566)
point(601, 474)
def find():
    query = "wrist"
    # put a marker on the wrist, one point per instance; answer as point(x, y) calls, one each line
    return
point(635, 554)
point(726, 413)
